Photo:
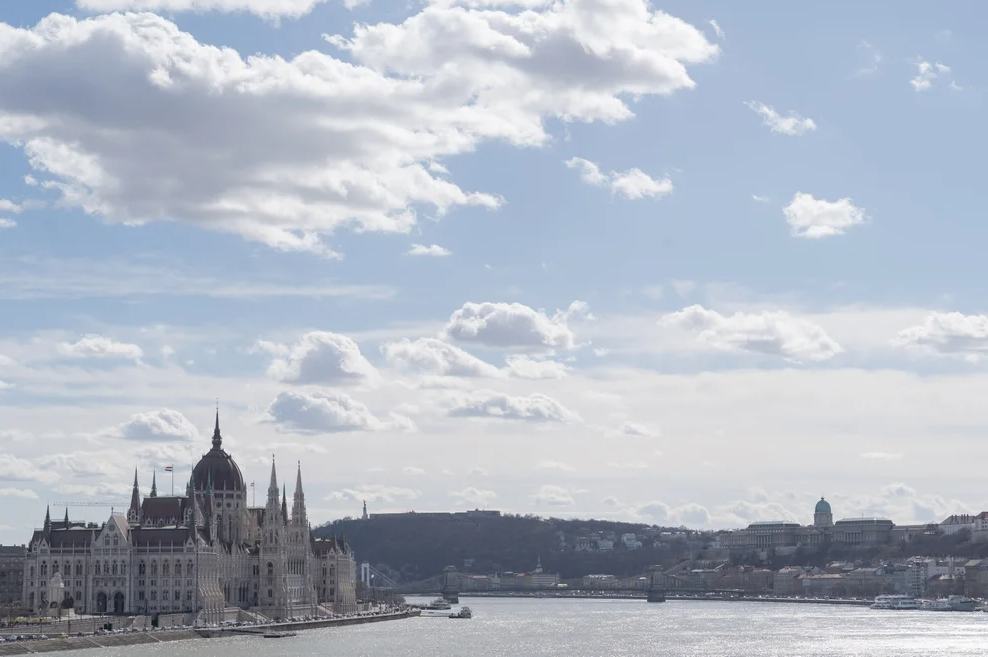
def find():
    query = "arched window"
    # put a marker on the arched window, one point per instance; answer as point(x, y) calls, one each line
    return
point(154, 568)
point(178, 568)
point(54, 567)
point(165, 568)
point(114, 568)
point(270, 570)
point(68, 569)
point(188, 568)
point(106, 567)
point(32, 574)
point(78, 568)
point(141, 568)
point(44, 569)
point(96, 568)
point(123, 568)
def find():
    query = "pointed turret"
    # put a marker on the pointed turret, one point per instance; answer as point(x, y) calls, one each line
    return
point(298, 506)
point(154, 484)
point(47, 519)
point(134, 512)
point(217, 438)
point(284, 504)
point(66, 521)
point(190, 488)
point(273, 486)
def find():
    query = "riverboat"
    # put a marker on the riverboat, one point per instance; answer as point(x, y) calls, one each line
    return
point(950, 603)
point(438, 604)
point(464, 612)
point(896, 602)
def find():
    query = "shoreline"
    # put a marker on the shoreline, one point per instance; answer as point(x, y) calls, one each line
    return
point(670, 597)
point(30, 647)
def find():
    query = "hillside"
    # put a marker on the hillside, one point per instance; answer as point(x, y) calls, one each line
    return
point(411, 547)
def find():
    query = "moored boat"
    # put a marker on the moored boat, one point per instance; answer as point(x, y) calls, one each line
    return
point(464, 612)
point(896, 602)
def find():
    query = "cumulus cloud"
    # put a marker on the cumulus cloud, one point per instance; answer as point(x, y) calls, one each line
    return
point(528, 368)
point(17, 469)
point(270, 9)
point(793, 125)
point(553, 496)
point(20, 493)
point(411, 471)
point(100, 346)
point(7, 223)
point(433, 356)
point(319, 357)
point(948, 334)
point(815, 218)
point(513, 326)
point(635, 429)
point(632, 184)
point(533, 408)
point(927, 73)
point(690, 514)
point(433, 250)
point(334, 143)
point(327, 412)
point(160, 425)
point(774, 333)
point(475, 496)
point(374, 493)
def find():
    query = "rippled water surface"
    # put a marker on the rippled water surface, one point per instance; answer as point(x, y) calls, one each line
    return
point(539, 627)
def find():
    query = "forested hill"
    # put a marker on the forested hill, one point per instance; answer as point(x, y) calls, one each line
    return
point(412, 547)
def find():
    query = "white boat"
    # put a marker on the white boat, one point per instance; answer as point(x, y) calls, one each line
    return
point(950, 603)
point(464, 612)
point(897, 602)
point(438, 604)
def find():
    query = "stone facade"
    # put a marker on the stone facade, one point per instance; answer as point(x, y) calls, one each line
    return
point(202, 554)
point(11, 577)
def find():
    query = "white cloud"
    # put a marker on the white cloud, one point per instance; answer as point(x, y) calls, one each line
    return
point(100, 464)
point(7, 223)
point(13, 468)
point(333, 144)
point(554, 465)
point(5, 386)
point(636, 429)
point(270, 9)
point(815, 218)
point(20, 493)
point(774, 333)
point(375, 493)
point(533, 408)
point(100, 346)
point(874, 58)
point(319, 357)
point(433, 250)
point(95, 490)
point(632, 184)
point(528, 368)
point(927, 73)
point(7, 205)
point(327, 412)
point(553, 496)
point(160, 425)
point(793, 125)
point(434, 356)
point(411, 471)
point(690, 514)
point(881, 456)
point(717, 29)
point(475, 496)
point(948, 334)
point(513, 326)
point(760, 199)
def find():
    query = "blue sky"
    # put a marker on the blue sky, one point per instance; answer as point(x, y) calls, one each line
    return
point(191, 243)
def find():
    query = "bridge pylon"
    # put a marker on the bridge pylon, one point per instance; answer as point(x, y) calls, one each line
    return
point(451, 585)
point(656, 584)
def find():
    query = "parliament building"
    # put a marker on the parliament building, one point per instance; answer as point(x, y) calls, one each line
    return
point(201, 557)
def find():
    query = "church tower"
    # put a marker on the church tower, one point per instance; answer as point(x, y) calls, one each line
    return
point(272, 591)
point(134, 512)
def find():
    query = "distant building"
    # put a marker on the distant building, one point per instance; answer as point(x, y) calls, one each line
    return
point(957, 523)
point(11, 577)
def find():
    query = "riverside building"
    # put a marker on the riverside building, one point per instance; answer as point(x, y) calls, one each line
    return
point(206, 555)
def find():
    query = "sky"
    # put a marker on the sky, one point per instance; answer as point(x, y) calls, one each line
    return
point(690, 263)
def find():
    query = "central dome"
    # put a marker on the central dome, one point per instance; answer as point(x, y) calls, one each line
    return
point(823, 506)
point(217, 468)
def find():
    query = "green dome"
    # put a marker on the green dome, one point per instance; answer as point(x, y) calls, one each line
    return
point(823, 506)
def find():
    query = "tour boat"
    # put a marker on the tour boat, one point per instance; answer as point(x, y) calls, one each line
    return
point(895, 602)
point(438, 605)
point(951, 603)
point(464, 612)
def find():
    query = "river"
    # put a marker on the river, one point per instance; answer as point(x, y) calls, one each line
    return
point(503, 627)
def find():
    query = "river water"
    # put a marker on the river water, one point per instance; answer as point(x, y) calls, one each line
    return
point(503, 627)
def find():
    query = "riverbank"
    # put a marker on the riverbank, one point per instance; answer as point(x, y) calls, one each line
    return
point(669, 596)
point(30, 647)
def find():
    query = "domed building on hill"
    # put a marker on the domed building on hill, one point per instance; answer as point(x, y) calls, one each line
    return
point(205, 556)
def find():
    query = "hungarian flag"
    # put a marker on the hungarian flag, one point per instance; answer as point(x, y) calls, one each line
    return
point(169, 468)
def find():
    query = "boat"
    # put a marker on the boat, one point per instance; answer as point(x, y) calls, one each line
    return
point(464, 612)
point(438, 604)
point(950, 603)
point(897, 602)
point(278, 635)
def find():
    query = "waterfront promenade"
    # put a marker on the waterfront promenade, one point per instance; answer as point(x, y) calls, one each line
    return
point(135, 638)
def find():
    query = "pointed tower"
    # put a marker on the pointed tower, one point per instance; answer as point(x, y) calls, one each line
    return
point(66, 521)
point(284, 504)
point(273, 594)
point(298, 505)
point(154, 484)
point(134, 512)
point(217, 438)
point(47, 520)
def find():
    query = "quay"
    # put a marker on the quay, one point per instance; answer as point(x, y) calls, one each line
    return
point(30, 647)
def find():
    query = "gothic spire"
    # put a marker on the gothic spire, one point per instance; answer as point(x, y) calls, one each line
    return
point(284, 503)
point(135, 500)
point(154, 484)
point(273, 486)
point(66, 521)
point(217, 438)
point(47, 519)
point(298, 507)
